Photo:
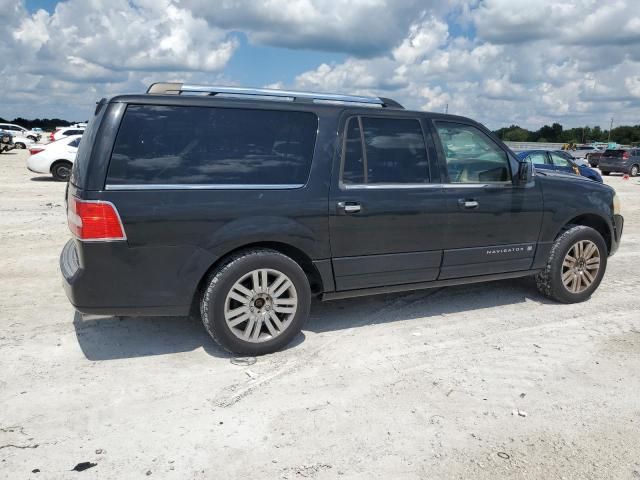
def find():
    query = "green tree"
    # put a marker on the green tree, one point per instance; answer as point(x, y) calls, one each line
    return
point(516, 134)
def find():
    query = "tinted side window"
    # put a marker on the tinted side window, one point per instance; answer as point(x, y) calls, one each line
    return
point(559, 160)
point(353, 166)
point(471, 155)
point(206, 145)
point(537, 158)
point(74, 143)
point(394, 152)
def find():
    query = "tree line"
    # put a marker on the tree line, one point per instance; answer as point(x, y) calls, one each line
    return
point(623, 134)
point(46, 124)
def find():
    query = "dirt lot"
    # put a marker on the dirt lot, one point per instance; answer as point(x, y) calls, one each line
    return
point(485, 381)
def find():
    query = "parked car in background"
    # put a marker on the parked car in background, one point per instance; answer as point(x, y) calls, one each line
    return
point(594, 158)
point(621, 160)
point(559, 161)
point(65, 132)
point(21, 142)
point(581, 152)
point(6, 141)
point(55, 158)
point(17, 130)
point(245, 208)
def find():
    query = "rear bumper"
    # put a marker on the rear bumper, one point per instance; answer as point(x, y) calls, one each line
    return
point(616, 238)
point(109, 278)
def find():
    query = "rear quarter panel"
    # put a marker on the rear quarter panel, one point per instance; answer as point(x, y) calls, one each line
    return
point(174, 236)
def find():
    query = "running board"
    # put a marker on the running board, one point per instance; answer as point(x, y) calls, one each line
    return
point(424, 285)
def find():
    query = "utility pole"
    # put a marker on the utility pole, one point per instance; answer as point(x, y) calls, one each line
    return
point(610, 128)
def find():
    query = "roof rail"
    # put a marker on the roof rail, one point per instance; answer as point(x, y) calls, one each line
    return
point(296, 96)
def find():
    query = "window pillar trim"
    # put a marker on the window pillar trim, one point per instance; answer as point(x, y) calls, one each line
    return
point(364, 151)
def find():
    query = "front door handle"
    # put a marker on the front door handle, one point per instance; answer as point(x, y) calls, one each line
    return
point(468, 203)
point(349, 207)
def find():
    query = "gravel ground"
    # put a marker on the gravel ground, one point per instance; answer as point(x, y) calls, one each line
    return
point(484, 381)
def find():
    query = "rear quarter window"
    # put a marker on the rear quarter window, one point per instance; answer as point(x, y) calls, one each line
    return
point(174, 145)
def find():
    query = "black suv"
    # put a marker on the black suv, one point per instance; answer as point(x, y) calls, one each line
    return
point(242, 204)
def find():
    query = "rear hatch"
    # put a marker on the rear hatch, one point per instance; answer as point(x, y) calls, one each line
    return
point(613, 154)
point(613, 157)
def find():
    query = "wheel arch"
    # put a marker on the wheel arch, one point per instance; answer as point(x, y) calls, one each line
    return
point(594, 221)
point(58, 162)
point(316, 282)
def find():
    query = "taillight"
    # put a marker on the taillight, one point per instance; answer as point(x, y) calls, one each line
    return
point(35, 150)
point(94, 220)
point(51, 137)
point(625, 155)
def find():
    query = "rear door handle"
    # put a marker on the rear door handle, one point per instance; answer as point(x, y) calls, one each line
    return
point(468, 203)
point(349, 207)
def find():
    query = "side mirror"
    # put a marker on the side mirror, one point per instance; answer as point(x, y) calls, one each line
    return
point(525, 174)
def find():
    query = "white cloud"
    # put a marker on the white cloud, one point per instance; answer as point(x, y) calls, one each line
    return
point(531, 62)
point(360, 27)
point(499, 61)
point(87, 49)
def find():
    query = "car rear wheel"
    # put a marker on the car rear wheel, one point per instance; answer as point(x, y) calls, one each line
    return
point(634, 171)
point(256, 302)
point(61, 170)
point(20, 145)
point(575, 267)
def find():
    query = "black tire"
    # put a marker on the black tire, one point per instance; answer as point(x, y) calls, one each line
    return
point(549, 281)
point(61, 170)
point(222, 279)
point(633, 171)
point(20, 145)
point(604, 172)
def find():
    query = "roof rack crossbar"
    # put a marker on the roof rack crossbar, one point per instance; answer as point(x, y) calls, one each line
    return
point(179, 88)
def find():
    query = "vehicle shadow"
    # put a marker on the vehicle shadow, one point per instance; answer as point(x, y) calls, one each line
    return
point(421, 304)
point(44, 179)
point(109, 338)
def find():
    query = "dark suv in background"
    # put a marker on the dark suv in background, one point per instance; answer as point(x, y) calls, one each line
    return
point(241, 204)
point(620, 161)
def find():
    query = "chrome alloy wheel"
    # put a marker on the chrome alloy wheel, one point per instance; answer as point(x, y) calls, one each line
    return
point(580, 266)
point(261, 305)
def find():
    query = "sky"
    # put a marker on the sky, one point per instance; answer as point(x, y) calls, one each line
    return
point(501, 62)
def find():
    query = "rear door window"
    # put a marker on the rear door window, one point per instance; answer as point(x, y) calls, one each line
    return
point(172, 145)
point(382, 151)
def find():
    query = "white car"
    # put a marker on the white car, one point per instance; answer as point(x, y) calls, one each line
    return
point(19, 131)
point(22, 142)
point(65, 132)
point(581, 151)
point(55, 158)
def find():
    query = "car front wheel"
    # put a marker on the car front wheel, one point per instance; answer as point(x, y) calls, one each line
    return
point(255, 302)
point(634, 171)
point(575, 267)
